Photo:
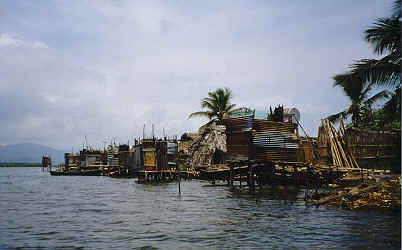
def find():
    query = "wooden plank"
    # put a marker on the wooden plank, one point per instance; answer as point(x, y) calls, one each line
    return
point(334, 159)
point(342, 152)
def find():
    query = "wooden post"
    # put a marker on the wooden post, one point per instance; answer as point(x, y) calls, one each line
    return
point(240, 175)
point(335, 153)
point(251, 176)
point(178, 176)
point(179, 186)
point(345, 158)
point(231, 175)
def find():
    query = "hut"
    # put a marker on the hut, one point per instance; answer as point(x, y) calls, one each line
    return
point(46, 163)
point(205, 148)
point(154, 158)
point(242, 137)
point(274, 138)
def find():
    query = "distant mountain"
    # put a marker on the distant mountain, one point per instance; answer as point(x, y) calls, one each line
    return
point(29, 152)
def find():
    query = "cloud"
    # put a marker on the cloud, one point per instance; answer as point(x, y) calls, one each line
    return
point(39, 44)
point(105, 68)
point(7, 41)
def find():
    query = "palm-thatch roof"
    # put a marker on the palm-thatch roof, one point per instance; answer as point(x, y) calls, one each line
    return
point(202, 149)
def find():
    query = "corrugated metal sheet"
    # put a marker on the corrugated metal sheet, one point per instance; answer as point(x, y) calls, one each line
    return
point(114, 162)
point(172, 148)
point(276, 154)
point(90, 160)
point(238, 124)
point(265, 125)
point(238, 132)
point(274, 141)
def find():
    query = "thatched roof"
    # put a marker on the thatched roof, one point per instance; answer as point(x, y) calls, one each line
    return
point(202, 149)
point(187, 139)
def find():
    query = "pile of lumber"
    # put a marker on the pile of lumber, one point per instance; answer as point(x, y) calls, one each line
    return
point(383, 193)
point(341, 156)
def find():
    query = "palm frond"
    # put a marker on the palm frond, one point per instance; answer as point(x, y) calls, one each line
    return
point(365, 92)
point(385, 35)
point(396, 9)
point(229, 108)
point(379, 72)
point(206, 114)
point(217, 104)
point(336, 117)
point(210, 104)
point(377, 97)
point(351, 84)
point(392, 108)
point(241, 109)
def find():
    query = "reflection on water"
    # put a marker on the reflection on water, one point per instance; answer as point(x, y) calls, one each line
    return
point(40, 211)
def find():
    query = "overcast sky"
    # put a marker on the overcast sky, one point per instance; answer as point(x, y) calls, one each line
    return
point(104, 68)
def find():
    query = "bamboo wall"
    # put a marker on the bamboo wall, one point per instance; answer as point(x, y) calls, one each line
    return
point(379, 149)
point(371, 149)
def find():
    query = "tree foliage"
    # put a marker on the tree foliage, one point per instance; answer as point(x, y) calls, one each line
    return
point(363, 75)
point(358, 92)
point(218, 105)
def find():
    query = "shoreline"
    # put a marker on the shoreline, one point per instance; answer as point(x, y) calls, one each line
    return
point(19, 164)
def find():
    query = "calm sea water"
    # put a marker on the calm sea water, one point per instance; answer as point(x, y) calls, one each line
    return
point(39, 211)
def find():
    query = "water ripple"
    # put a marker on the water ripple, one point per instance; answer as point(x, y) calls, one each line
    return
point(38, 211)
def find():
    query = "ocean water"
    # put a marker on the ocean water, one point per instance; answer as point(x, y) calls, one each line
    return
point(39, 211)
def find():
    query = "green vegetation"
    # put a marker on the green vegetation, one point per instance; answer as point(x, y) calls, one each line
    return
point(366, 74)
point(357, 91)
point(19, 164)
point(218, 105)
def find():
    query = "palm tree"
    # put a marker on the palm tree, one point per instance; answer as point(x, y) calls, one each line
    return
point(358, 92)
point(392, 109)
point(385, 37)
point(218, 105)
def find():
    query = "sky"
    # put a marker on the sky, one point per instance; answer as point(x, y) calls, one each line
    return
point(102, 69)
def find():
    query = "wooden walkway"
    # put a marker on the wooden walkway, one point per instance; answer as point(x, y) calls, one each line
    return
point(254, 173)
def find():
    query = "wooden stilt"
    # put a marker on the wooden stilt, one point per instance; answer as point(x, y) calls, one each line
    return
point(251, 176)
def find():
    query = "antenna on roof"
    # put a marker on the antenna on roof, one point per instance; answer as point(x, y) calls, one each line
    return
point(153, 131)
point(143, 132)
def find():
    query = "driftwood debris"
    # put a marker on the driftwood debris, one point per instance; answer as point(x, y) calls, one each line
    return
point(384, 193)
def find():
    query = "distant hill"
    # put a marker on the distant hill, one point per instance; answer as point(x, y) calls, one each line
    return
point(29, 152)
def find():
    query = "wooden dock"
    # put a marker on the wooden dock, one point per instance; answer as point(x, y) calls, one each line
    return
point(165, 175)
point(260, 173)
